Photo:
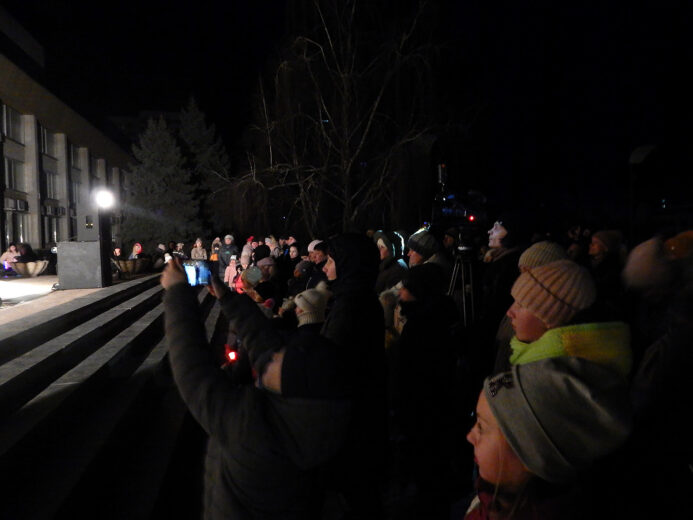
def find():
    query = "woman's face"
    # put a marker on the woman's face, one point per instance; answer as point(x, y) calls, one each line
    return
point(198, 243)
point(137, 249)
point(525, 323)
point(330, 269)
point(496, 234)
point(497, 461)
point(293, 252)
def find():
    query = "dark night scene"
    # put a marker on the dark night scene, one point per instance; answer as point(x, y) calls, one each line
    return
point(346, 259)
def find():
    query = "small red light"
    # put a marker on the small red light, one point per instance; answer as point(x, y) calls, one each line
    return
point(232, 355)
point(472, 218)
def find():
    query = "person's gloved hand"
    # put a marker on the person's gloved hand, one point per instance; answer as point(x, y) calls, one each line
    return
point(216, 288)
point(173, 274)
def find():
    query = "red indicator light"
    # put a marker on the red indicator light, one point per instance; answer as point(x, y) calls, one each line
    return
point(232, 355)
point(472, 218)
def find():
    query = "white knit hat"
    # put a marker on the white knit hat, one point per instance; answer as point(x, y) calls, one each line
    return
point(312, 302)
point(311, 246)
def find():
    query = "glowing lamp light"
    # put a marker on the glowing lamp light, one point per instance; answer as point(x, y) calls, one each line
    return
point(472, 218)
point(232, 355)
point(104, 199)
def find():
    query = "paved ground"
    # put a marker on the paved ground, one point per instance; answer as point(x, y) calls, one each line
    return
point(25, 296)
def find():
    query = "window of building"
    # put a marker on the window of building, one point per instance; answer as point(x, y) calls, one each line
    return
point(16, 221)
point(73, 228)
point(93, 173)
point(74, 157)
point(51, 185)
point(14, 175)
point(12, 124)
point(75, 188)
point(47, 142)
point(50, 230)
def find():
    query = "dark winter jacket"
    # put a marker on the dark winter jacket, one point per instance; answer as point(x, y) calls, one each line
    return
point(226, 251)
point(264, 449)
point(423, 367)
point(355, 322)
point(390, 272)
point(497, 280)
point(316, 275)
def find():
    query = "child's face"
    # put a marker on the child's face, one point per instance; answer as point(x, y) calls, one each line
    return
point(525, 323)
point(497, 462)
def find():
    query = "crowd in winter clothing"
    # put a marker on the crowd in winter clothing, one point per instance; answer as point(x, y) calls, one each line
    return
point(350, 374)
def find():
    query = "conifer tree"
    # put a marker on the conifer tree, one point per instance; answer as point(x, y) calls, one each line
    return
point(161, 205)
point(209, 163)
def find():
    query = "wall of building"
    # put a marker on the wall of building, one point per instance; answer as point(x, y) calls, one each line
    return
point(56, 160)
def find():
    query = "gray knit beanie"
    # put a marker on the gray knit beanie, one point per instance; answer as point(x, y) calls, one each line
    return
point(252, 275)
point(561, 414)
point(423, 243)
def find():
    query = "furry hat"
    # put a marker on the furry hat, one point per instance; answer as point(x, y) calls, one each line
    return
point(555, 292)
point(560, 415)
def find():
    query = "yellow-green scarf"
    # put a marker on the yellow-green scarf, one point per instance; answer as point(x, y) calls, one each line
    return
point(604, 343)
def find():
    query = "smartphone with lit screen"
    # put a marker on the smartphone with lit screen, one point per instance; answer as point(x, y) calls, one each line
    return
point(197, 271)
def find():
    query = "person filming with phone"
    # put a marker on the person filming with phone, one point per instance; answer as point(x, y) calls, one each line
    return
point(271, 436)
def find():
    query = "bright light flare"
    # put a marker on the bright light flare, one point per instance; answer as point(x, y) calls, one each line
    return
point(104, 199)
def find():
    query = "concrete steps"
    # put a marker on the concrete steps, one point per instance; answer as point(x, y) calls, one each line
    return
point(90, 415)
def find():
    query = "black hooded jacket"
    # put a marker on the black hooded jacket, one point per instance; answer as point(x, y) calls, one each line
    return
point(355, 322)
point(265, 450)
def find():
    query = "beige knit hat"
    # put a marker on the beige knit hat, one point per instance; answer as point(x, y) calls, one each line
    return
point(555, 292)
point(312, 302)
point(541, 253)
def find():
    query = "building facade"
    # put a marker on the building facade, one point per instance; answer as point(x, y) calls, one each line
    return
point(53, 159)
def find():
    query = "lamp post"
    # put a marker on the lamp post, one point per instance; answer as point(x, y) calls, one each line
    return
point(104, 202)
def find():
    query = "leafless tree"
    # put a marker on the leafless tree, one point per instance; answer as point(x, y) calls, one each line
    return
point(345, 103)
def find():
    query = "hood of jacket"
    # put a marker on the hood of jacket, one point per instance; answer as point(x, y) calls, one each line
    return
point(357, 261)
point(604, 343)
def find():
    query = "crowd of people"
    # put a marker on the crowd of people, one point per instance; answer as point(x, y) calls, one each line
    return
point(347, 383)
point(16, 253)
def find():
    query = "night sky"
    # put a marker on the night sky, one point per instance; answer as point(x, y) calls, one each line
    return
point(551, 99)
point(119, 58)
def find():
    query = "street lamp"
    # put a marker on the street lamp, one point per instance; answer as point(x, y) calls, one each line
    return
point(86, 263)
point(105, 201)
